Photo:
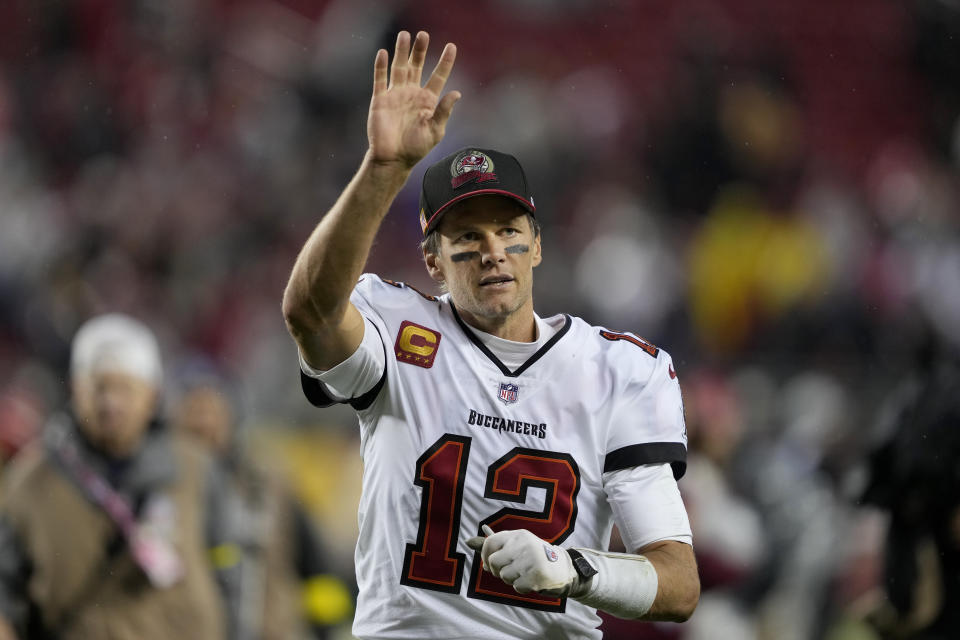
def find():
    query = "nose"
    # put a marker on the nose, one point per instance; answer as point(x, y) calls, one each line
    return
point(492, 250)
point(111, 401)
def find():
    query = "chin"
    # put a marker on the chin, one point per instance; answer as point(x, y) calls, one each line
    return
point(495, 310)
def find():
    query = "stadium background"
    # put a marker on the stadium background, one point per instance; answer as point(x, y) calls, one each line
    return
point(767, 189)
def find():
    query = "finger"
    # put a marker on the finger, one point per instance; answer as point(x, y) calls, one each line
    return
point(398, 71)
point(522, 585)
point(510, 574)
point(418, 56)
point(380, 72)
point(493, 543)
point(445, 107)
point(498, 561)
point(476, 543)
point(442, 71)
point(490, 546)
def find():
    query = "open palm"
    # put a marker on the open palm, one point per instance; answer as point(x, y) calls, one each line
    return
point(406, 120)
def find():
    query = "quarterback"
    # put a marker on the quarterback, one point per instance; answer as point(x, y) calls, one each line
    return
point(499, 447)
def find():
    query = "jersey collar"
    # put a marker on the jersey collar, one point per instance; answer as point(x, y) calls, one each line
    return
point(562, 331)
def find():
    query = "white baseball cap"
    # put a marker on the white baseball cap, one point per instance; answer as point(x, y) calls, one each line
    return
point(116, 342)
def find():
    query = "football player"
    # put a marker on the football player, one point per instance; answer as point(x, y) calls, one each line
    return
point(499, 447)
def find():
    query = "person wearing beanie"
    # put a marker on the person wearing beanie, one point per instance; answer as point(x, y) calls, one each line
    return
point(106, 521)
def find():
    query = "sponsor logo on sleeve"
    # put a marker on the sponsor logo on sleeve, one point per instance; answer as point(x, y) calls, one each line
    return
point(416, 344)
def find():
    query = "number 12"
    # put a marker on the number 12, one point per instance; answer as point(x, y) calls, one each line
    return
point(433, 562)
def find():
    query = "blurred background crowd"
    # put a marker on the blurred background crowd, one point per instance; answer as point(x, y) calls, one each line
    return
point(768, 189)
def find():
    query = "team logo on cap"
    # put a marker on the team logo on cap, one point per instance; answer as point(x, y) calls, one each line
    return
point(471, 166)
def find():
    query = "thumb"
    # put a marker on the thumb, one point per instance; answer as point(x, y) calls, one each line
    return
point(445, 107)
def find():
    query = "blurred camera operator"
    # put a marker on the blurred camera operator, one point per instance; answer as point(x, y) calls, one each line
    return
point(105, 522)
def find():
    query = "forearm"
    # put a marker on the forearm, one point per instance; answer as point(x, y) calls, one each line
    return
point(325, 272)
point(678, 585)
point(660, 583)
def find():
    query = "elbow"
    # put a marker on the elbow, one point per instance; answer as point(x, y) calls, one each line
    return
point(686, 604)
point(304, 317)
point(301, 315)
point(295, 314)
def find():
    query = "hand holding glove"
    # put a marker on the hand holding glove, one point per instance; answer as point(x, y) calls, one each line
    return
point(525, 561)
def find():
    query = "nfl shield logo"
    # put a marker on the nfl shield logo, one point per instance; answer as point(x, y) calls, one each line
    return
point(508, 392)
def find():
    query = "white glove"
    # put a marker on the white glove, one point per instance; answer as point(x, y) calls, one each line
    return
point(523, 560)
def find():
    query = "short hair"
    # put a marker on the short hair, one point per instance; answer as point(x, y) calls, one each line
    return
point(431, 244)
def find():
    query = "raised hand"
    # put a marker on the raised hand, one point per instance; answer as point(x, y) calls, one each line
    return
point(406, 120)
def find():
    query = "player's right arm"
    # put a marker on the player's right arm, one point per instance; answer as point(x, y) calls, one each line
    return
point(404, 123)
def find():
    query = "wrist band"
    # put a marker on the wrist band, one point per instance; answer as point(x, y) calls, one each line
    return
point(581, 565)
point(624, 584)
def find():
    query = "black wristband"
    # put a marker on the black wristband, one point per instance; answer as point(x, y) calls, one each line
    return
point(581, 565)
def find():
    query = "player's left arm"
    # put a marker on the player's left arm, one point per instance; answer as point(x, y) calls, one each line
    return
point(659, 582)
point(678, 582)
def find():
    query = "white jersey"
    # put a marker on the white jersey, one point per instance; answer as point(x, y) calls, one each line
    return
point(452, 439)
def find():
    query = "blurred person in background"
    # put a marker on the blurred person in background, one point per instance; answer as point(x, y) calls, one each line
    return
point(473, 390)
point(915, 477)
point(106, 521)
point(732, 545)
point(278, 572)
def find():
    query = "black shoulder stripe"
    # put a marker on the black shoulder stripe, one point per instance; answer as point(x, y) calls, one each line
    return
point(363, 402)
point(317, 395)
point(648, 453)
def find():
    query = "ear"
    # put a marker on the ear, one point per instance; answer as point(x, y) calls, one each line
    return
point(432, 261)
point(537, 256)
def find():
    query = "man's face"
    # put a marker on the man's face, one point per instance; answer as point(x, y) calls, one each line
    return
point(205, 415)
point(113, 410)
point(487, 254)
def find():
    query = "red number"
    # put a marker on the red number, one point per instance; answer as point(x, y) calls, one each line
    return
point(401, 285)
point(433, 562)
point(640, 342)
point(509, 478)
